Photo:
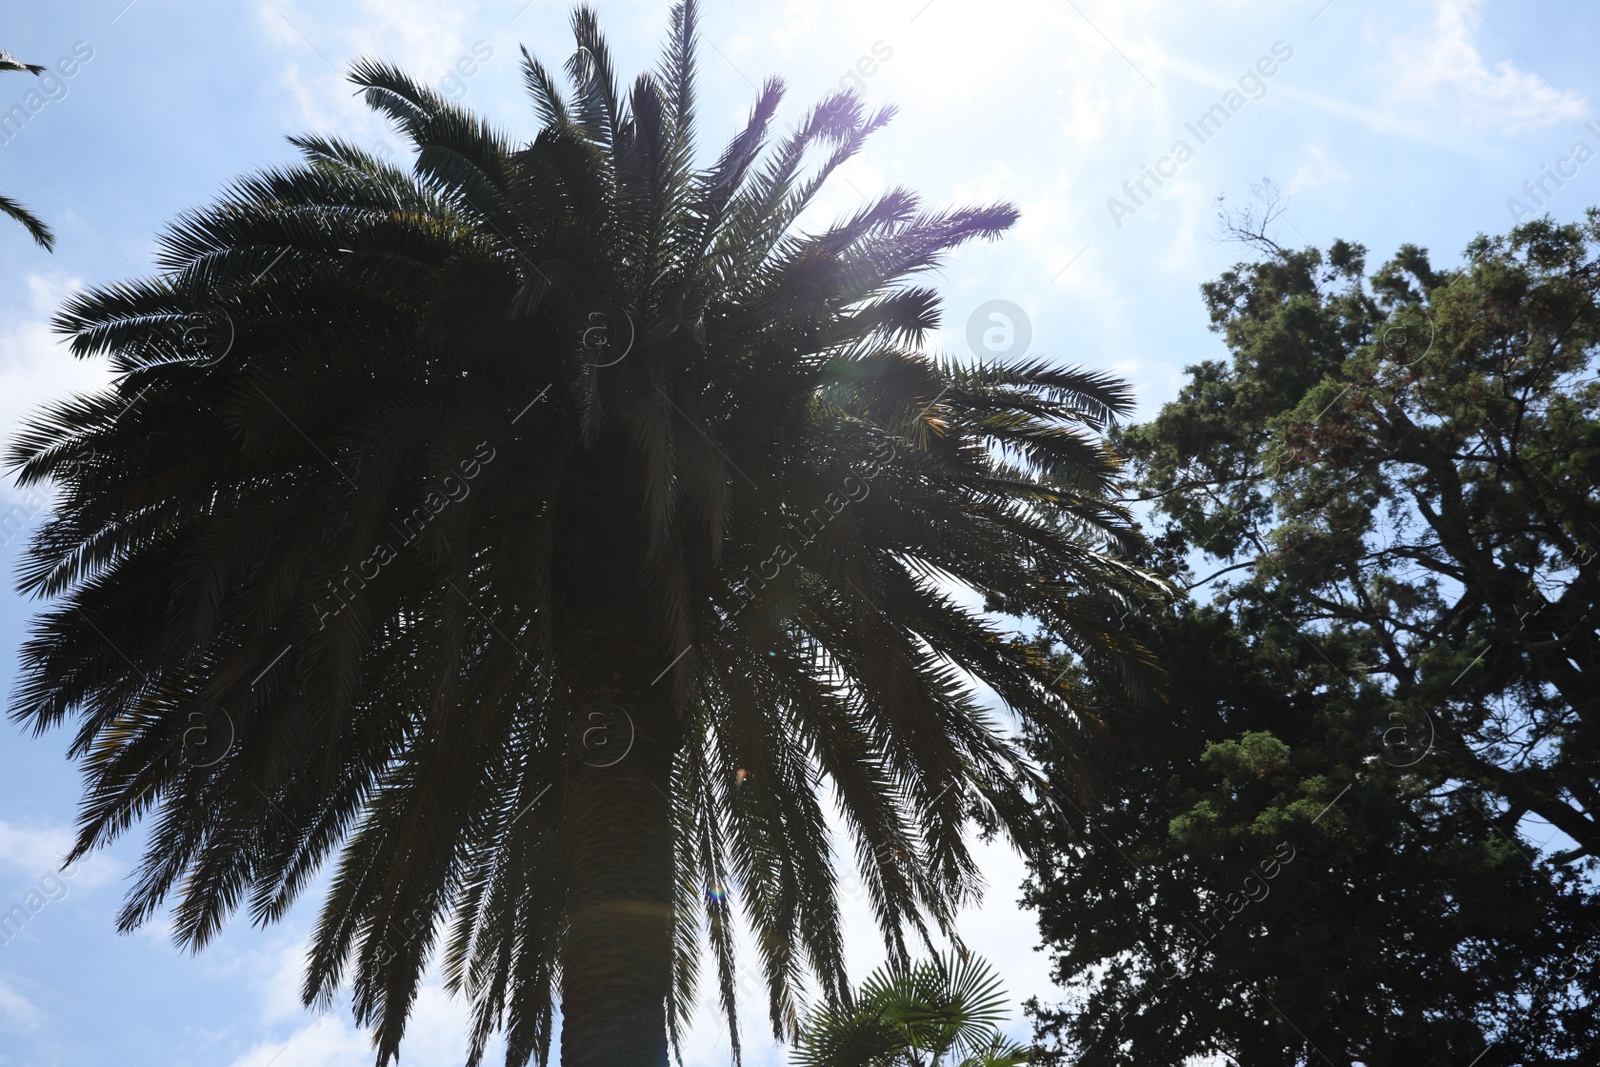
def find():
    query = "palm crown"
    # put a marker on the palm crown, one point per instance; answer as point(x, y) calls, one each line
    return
point(410, 482)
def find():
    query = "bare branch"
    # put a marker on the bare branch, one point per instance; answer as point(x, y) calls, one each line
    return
point(1248, 225)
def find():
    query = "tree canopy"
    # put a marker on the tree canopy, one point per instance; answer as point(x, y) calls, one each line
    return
point(1363, 824)
point(416, 484)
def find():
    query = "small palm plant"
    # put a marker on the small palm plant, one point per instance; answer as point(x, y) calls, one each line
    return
point(935, 1013)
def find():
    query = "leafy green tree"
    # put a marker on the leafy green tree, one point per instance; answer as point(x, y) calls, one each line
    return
point(539, 535)
point(1276, 873)
point(1329, 846)
point(1411, 461)
point(934, 1013)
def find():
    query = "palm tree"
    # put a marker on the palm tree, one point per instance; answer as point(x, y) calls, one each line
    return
point(936, 1013)
point(11, 62)
point(416, 486)
point(30, 222)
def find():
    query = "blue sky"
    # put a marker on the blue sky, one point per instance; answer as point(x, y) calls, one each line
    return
point(1406, 121)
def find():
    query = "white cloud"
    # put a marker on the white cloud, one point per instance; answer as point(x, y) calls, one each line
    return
point(1088, 106)
point(34, 853)
point(1283, 95)
point(280, 1001)
point(1318, 168)
point(17, 1009)
point(326, 1042)
point(436, 1032)
point(308, 108)
point(422, 38)
point(418, 35)
point(1196, 214)
point(799, 19)
point(1444, 68)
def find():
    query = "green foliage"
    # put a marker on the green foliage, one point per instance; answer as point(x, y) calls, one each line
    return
point(934, 1013)
point(1363, 819)
point(372, 499)
point(30, 222)
point(1337, 905)
point(1409, 465)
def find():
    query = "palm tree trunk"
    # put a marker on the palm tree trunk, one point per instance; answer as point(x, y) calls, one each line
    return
point(616, 963)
